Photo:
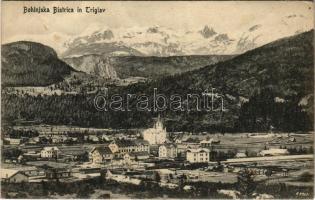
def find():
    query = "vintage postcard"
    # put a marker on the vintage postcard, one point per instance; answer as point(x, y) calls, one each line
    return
point(157, 99)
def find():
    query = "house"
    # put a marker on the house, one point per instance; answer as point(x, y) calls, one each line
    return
point(142, 145)
point(142, 155)
point(20, 159)
point(114, 147)
point(93, 138)
point(44, 140)
point(101, 155)
point(157, 134)
point(33, 140)
point(12, 176)
point(31, 156)
point(31, 171)
point(178, 141)
point(121, 147)
point(188, 188)
point(57, 139)
point(49, 152)
point(73, 139)
point(90, 170)
point(240, 155)
point(75, 154)
point(57, 173)
point(274, 152)
point(292, 139)
point(168, 151)
point(209, 143)
point(14, 141)
point(118, 161)
point(192, 140)
point(122, 178)
point(168, 185)
point(147, 175)
point(128, 158)
point(182, 148)
point(199, 155)
point(105, 137)
point(205, 143)
point(136, 156)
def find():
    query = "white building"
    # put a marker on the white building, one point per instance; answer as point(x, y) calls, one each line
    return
point(168, 151)
point(133, 157)
point(101, 155)
point(122, 178)
point(240, 155)
point(157, 134)
point(200, 155)
point(274, 152)
point(121, 147)
point(50, 152)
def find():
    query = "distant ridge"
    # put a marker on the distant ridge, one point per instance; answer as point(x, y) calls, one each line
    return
point(141, 66)
point(27, 63)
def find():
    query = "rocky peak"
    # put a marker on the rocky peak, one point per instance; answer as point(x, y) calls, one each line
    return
point(207, 32)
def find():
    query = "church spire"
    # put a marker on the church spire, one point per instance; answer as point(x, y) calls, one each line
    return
point(159, 124)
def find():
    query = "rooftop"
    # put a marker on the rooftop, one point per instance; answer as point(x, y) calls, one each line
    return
point(102, 150)
point(169, 145)
point(141, 142)
point(7, 173)
point(50, 149)
point(125, 143)
point(142, 153)
point(200, 150)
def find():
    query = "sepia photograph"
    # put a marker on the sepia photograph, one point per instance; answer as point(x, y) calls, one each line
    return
point(157, 100)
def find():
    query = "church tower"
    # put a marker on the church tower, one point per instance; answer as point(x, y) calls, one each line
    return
point(159, 124)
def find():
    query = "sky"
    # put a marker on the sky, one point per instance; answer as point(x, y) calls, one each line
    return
point(226, 16)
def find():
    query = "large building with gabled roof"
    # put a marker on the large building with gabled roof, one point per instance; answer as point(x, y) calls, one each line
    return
point(101, 155)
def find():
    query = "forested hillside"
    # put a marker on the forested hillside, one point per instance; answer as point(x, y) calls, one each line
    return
point(31, 64)
point(136, 66)
point(270, 87)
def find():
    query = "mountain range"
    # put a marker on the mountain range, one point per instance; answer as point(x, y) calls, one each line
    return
point(162, 41)
point(122, 67)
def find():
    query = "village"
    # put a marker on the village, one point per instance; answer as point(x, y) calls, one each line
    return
point(172, 160)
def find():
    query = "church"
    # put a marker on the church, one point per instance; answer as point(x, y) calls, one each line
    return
point(157, 134)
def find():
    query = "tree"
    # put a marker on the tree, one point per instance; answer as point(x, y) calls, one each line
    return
point(171, 176)
point(182, 180)
point(246, 183)
point(157, 177)
point(44, 188)
point(268, 173)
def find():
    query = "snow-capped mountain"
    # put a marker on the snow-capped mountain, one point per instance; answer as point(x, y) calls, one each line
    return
point(163, 41)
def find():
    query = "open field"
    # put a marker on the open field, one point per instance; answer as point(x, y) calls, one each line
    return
point(61, 129)
point(227, 140)
point(271, 158)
